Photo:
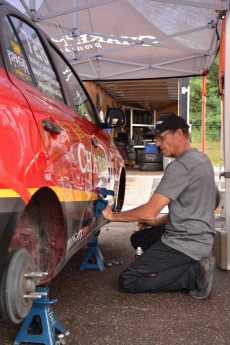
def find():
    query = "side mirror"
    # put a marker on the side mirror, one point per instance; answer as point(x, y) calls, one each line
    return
point(114, 118)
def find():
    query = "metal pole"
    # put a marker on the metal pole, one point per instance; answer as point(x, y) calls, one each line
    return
point(221, 92)
point(184, 99)
point(226, 133)
point(221, 139)
point(32, 5)
point(203, 113)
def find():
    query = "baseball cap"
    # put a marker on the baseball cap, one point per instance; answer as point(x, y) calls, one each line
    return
point(169, 121)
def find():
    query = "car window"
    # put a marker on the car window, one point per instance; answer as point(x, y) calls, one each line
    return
point(23, 38)
point(16, 57)
point(80, 99)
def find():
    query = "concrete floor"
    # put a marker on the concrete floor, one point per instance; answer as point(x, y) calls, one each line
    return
point(95, 312)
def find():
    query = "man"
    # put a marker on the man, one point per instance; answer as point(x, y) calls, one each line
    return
point(177, 246)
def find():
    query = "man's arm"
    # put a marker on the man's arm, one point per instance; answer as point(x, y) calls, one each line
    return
point(159, 221)
point(145, 213)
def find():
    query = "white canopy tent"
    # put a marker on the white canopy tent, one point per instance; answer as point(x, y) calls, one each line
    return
point(140, 39)
point(132, 39)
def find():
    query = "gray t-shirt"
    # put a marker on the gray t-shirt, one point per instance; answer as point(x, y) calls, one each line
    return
point(189, 183)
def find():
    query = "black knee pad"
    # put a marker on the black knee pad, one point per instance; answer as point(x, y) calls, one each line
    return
point(133, 240)
point(121, 283)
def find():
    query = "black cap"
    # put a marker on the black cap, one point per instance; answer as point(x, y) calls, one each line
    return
point(169, 121)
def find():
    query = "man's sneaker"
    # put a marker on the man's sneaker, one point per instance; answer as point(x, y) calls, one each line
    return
point(204, 282)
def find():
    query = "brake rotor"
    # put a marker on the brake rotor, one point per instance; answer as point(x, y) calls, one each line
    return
point(15, 285)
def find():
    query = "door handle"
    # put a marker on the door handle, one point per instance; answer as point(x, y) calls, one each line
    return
point(95, 142)
point(51, 127)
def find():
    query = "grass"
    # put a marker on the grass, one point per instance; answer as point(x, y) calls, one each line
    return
point(212, 150)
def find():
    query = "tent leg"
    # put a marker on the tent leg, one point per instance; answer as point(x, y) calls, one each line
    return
point(226, 133)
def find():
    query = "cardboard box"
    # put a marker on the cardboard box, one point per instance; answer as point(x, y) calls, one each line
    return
point(220, 248)
point(222, 203)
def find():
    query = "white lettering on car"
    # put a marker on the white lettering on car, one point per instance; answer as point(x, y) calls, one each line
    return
point(73, 239)
point(35, 47)
point(93, 164)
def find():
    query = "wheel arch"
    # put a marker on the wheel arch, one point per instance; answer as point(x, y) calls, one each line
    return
point(42, 231)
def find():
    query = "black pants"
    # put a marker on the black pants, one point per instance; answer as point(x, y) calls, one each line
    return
point(159, 268)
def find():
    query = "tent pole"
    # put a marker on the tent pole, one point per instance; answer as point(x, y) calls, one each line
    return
point(221, 138)
point(203, 112)
point(221, 92)
point(226, 133)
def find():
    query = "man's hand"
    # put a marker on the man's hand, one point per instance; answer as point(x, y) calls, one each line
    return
point(142, 225)
point(107, 213)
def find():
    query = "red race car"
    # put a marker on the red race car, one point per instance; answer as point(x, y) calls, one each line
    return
point(55, 155)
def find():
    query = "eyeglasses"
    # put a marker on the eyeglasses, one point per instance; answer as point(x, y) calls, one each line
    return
point(162, 137)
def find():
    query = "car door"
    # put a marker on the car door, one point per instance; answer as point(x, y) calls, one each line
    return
point(93, 159)
point(103, 150)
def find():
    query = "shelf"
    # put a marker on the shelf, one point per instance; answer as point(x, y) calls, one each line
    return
point(141, 125)
point(140, 122)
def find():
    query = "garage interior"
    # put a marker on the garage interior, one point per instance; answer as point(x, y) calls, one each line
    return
point(142, 101)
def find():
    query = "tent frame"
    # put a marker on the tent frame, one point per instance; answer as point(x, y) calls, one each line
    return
point(75, 33)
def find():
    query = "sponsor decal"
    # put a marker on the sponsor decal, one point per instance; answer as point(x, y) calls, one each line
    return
point(18, 62)
point(87, 42)
point(76, 237)
point(16, 48)
point(73, 239)
point(94, 163)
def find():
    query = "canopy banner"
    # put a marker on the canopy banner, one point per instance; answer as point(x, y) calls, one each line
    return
point(133, 39)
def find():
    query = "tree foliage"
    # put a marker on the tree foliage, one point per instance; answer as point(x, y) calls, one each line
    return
point(213, 104)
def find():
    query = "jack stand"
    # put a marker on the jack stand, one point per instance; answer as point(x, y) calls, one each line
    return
point(41, 325)
point(93, 250)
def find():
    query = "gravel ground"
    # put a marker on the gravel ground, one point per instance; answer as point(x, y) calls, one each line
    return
point(95, 312)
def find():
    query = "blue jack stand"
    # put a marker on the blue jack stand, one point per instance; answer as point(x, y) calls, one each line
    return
point(41, 325)
point(93, 258)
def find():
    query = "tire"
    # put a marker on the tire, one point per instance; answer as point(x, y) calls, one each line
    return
point(147, 118)
point(167, 161)
point(135, 118)
point(138, 137)
point(131, 142)
point(151, 167)
point(150, 118)
point(135, 137)
point(131, 156)
point(150, 158)
point(131, 150)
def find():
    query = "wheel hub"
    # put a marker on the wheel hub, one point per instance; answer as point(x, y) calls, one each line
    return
point(18, 286)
